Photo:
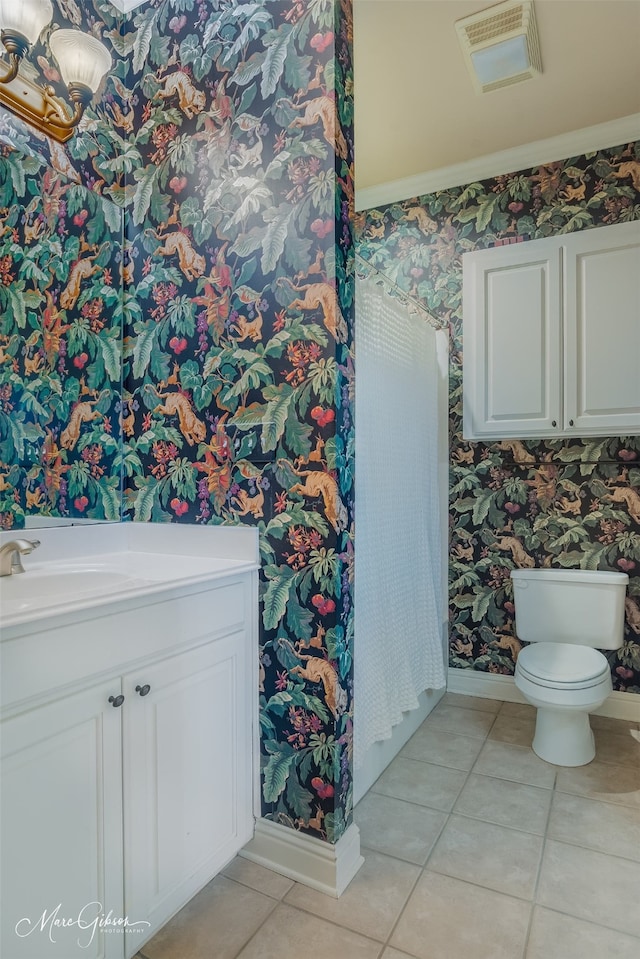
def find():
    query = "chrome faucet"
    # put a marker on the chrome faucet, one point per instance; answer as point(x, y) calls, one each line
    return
point(10, 553)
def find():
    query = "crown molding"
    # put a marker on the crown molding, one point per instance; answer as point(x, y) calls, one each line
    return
point(586, 140)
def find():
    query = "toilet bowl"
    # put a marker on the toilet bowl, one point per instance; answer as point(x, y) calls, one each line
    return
point(565, 615)
point(565, 684)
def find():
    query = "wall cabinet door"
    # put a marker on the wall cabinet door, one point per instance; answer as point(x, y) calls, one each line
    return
point(61, 795)
point(512, 341)
point(551, 343)
point(602, 330)
point(187, 779)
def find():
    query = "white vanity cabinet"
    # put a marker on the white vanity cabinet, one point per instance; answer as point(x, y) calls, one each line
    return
point(127, 765)
point(551, 336)
point(61, 801)
point(187, 790)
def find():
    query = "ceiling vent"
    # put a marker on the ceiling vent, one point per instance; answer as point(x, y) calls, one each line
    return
point(500, 45)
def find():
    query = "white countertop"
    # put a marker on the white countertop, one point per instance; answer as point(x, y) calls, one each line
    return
point(79, 568)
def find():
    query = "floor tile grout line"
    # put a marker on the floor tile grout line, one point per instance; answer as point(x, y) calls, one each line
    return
point(609, 855)
point(553, 789)
point(410, 802)
point(609, 802)
point(590, 922)
point(424, 865)
point(401, 912)
point(315, 915)
point(454, 732)
point(418, 878)
point(491, 712)
point(539, 873)
point(580, 845)
point(516, 782)
point(473, 882)
point(412, 759)
point(500, 825)
point(246, 885)
point(423, 868)
point(244, 945)
point(452, 812)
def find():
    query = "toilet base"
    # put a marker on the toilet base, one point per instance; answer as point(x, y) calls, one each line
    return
point(563, 736)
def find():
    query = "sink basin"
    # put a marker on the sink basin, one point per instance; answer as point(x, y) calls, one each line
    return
point(52, 587)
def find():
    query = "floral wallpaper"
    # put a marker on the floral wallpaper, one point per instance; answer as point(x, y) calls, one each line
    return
point(571, 503)
point(96, 156)
point(238, 360)
point(60, 346)
point(225, 135)
point(61, 300)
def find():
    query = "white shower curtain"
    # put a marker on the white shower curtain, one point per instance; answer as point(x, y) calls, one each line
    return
point(398, 593)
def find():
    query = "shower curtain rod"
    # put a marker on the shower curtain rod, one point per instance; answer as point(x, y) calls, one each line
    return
point(400, 293)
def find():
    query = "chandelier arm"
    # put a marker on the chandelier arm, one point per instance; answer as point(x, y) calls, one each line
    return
point(81, 97)
point(63, 121)
point(12, 72)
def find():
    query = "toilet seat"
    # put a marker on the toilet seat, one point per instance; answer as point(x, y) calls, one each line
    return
point(562, 665)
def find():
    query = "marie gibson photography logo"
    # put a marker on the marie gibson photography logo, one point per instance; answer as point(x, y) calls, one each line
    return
point(90, 919)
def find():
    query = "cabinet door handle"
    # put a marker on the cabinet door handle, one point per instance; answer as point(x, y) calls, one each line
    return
point(116, 700)
point(553, 423)
point(143, 690)
point(570, 422)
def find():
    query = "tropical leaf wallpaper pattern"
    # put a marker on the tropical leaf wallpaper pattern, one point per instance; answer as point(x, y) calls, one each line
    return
point(571, 503)
point(60, 346)
point(238, 357)
point(61, 219)
point(225, 134)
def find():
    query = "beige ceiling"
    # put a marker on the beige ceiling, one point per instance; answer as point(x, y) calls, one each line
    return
point(415, 107)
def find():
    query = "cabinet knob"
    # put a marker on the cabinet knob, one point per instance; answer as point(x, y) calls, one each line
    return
point(570, 422)
point(116, 700)
point(143, 690)
point(553, 423)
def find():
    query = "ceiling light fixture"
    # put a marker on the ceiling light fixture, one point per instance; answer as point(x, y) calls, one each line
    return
point(82, 59)
point(500, 45)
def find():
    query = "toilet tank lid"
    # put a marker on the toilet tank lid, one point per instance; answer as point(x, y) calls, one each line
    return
point(592, 576)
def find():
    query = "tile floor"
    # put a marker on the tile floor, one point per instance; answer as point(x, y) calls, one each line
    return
point(474, 849)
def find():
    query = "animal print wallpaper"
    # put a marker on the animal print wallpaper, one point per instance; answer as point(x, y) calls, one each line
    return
point(61, 303)
point(225, 135)
point(238, 360)
point(570, 503)
point(60, 346)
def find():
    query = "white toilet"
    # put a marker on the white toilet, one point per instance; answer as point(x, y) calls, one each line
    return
point(567, 615)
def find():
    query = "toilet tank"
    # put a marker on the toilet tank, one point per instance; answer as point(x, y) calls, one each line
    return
point(578, 606)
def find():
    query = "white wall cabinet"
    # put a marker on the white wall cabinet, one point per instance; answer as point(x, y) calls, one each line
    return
point(551, 337)
point(123, 794)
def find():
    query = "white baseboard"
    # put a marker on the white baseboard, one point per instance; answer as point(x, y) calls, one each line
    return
point(327, 867)
point(468, 682)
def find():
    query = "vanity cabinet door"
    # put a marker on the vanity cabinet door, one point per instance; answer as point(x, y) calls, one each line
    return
point(187, 774)
point(602, 330)
point(512, 341)
point(61, 802)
